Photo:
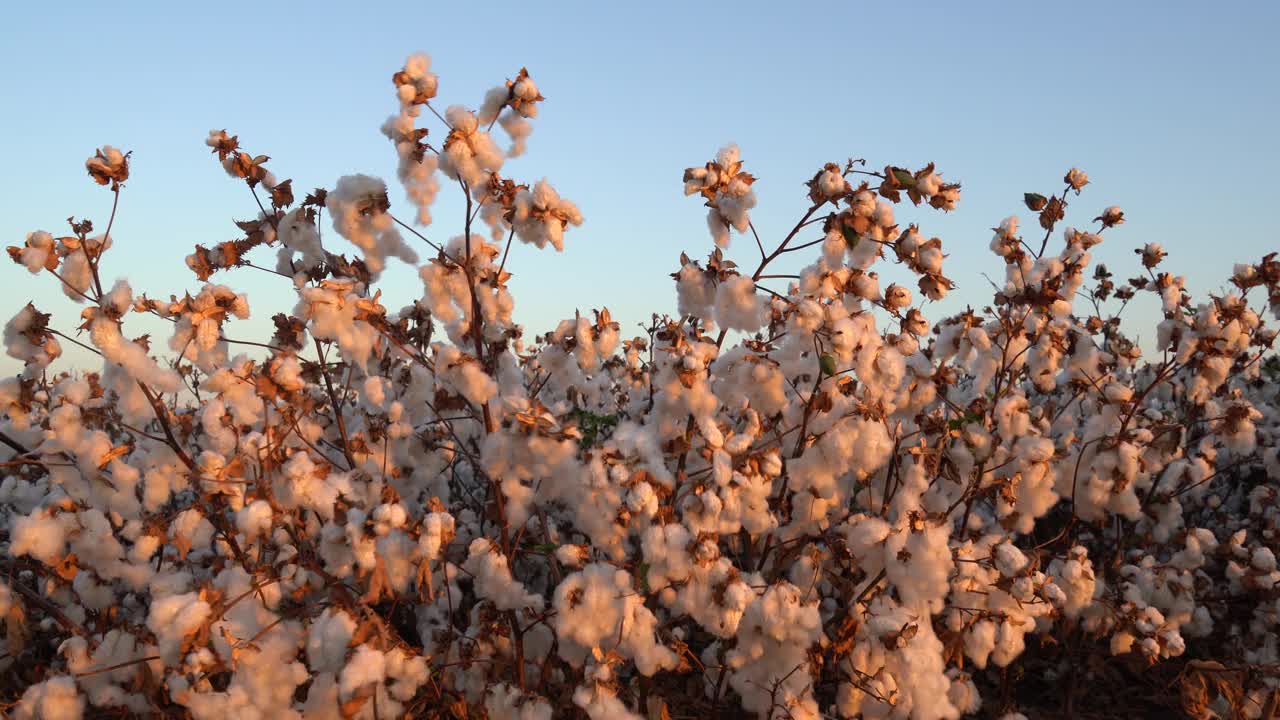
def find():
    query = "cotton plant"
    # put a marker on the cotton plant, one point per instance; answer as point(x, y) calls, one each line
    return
point(802, 494)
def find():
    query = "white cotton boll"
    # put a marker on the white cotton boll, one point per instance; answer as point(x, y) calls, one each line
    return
point(207, 333)
point(695, 292)
point(464, 374)
point(963, 693)
point(737, 305)
point(494, 100)
point(327, 640)
point(37, 251)
point(980, 641)
point(896, 297)
point(105, 335)
point(525, 89)
point(469, 152)
point(540, 216)
point(254, 519)
point(417, 69)
point(929, 184)
point(119, 299)
point(832, 184)
point(374, 392)
point(365, 666)
point(773, 638)
point(436, 529)
point(39, 535)
point(357, 205)
point(918, 563)
point(54, 699)
point(1263, 560)
point(299, 235)
point(172, 618)
point(571, 555)
point(506, 702)
point(19, 346)
point(493, 580)
point(1009, 559)
point(518, 129)
point(597, 607)
point(719, 228)
point(1122, 642)
point(600, 702)
point(76, 275)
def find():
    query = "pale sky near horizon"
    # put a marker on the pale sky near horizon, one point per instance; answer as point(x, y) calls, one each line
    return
point(1170, 107)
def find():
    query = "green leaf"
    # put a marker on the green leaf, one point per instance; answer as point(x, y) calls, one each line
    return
point(851, 236)
point(904, 178)
point(1035, 201)
point(827, 364)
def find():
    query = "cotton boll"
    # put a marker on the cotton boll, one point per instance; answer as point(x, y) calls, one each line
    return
point(40, 535)
point(469, 152)
point(365, 666)
point(773, 637)
point(729, 190)
point(896, 297)
point(695, 292)
point(541, 216)
point(464, 374)
point(1008, 559)
point(172, 618)
point(358, 205)
point(301, 242)
point(54, 699)
point(254, 519)
point(25, 340)
point(77, 276)
point(132, 357)
point(506, 702)
point(493, 580)
point(737, 305)
point(596, 607)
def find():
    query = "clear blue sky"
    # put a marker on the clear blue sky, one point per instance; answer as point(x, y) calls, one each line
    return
point(1170, 106)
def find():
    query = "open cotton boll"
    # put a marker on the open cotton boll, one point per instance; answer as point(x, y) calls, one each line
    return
point(469, 152)
point(37, 252)
point(54, 699)
point(172, 618)
point(24, 340)
point(254, 519)
point(597, 607)
point(358, 205)
point(737, 305)
point(493, 580)
point(506, 702)
point(541, 216)
point(39, 534)
point(365, 666)
point(767, 664)
point(105, 335)
point(300, 239)
point(463, 374)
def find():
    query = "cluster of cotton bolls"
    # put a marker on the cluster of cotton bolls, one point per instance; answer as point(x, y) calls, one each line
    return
point(541, 216)
point(727, 190)
point(415, 86)
point(787, 501)
point(357, 204)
